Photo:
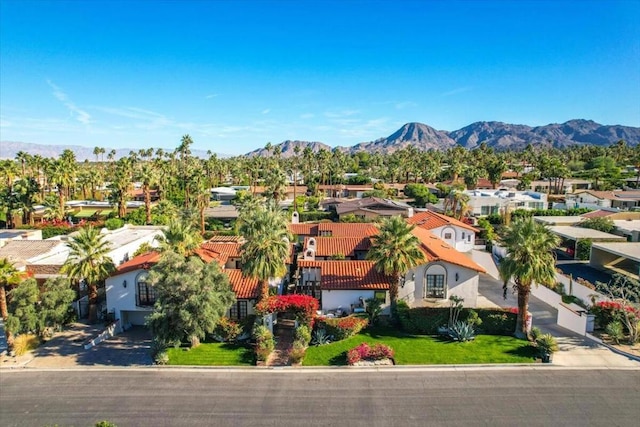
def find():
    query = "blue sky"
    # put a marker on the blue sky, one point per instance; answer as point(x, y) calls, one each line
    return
point(238, 74)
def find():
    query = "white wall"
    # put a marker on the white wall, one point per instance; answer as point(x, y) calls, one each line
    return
point(121, 299)
point(466, 285)
point(331, 300)
point(461, 244)
point(570, 318)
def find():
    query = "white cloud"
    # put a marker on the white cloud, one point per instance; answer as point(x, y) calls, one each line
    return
point(80, 115)
point(266, 111)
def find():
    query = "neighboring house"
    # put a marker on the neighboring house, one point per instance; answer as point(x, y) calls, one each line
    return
point(84, 209)
point(616, 257)
point(130, 297)
point(326, 248)
point(630, 229)
point(488, 202)
point(8, 235)
point(456, 233)
point(39, 257)
point(333, 229)
point(621, 200)
point(371, 208)
point(137, 195)
point(568, 185)
point(223, 194)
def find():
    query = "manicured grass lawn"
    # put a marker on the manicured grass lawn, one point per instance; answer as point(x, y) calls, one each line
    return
point(426, 350)
point(212, 354)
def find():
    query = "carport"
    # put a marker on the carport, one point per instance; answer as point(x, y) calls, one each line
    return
point(574, 234)
point(623, 258)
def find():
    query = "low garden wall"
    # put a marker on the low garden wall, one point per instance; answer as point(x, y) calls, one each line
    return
point(573, 317)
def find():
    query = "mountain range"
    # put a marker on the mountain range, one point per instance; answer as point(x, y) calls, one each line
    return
point(498, 135)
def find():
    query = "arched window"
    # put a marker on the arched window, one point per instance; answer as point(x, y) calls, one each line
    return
point(434, 282)
point(145, 294)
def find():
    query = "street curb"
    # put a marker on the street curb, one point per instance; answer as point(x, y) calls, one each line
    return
point(612, 348)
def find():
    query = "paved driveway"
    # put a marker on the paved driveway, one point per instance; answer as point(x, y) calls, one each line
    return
point(66, 350)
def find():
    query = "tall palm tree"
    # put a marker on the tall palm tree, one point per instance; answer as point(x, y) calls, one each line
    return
point(180, 237)
point(395, 251)
point(148, 176)
point(530, 260)
point(266, 246)
point(89, 261)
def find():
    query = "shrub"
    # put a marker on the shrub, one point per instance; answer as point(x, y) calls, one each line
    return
point(343, 327)
point(373, 308)
point(497, 322)
point(606, 312)
point(315, 216)
point(546, 344)
point(615, 331)
point(52, 231)
point(113, 223)
point(161, 358)
point(227, 330)
point(535, 333)
point(105, 424)
point(320, 337)
point(296, 354)
point(24, 343)
point(264, 342)
point(303, 334)
point(371, 353)
point(462, 332)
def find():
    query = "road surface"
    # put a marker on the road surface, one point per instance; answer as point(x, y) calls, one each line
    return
point(333, 397)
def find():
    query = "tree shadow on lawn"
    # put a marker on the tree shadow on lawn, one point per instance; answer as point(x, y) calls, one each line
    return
point(527, 351)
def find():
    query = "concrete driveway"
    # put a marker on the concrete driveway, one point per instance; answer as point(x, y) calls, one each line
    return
point(574, 350)
point(66, 350)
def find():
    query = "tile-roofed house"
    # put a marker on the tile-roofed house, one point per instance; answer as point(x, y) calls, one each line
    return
point(348, 275)
point(225, 239)
point(598, 213)
point(303, 229)
point(454, 232)
point(28, 250)
point(328, 247)
point(131, 298)
point(227, 253)
point(346, 229)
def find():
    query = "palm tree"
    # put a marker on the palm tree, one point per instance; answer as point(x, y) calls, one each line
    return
point(180, 237)
point(89, 261)
point(530, 260)
point(148, 176)
point(266, 246)
point(395, 251)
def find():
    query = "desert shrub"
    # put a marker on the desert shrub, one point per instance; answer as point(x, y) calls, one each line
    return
point(606, 312)
point(296, 354)
point(24, 343)
point(113, 223)
point(615, 331)
point(303, 334)
point(227, 329)
point(320, 337)
point(343, 327)
point(161, 358)
point(264, 342)
point(364, 351)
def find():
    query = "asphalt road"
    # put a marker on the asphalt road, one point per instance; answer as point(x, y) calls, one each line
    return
point(344, 397)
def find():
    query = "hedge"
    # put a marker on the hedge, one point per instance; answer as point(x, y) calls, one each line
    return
point(315, 216)
point(427, 320)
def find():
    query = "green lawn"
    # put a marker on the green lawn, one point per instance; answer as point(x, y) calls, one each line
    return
point(212, 354)
point(426, 350)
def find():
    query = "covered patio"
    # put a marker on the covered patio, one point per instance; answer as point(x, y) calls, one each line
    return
point(615, 257)
point(571, 236)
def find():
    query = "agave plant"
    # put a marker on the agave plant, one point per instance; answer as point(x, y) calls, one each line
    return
point(462, 331)
point(320, 337)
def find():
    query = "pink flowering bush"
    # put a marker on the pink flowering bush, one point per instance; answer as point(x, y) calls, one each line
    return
point(370, 353)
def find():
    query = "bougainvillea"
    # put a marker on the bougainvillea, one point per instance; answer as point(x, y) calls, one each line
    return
point(303, 306)
point(343, 327)
point(369, 353)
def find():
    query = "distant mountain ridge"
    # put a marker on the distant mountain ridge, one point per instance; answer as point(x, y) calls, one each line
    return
point(498, 135)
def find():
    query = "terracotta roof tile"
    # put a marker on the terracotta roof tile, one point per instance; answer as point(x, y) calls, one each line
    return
point(225, 239)
point(345, 229)
point(328, 246)
point(144, 261)
point(231, 249)
point(436, 249)
point(597, 214)
point(23, 250)
point(243, 286)
point(349, 275)
point(304, 229)
point(430, 220)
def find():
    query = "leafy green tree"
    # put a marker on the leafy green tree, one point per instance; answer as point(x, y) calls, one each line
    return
point(89, 261)
point(420, 193)
point(23, 308)
point(55, 302)
point(530, 260)
point(191, 297)
point(266, 246)
point(395, 251)
point(601, 224)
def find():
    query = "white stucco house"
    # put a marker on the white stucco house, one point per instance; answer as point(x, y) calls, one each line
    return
point(455, 233)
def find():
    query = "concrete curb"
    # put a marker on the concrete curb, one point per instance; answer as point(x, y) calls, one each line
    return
point(612, 348)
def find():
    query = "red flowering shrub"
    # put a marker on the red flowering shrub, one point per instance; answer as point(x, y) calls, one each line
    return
point(303, 306)
point(227, 329)
point(366, 352)
point(343, 327)
point(610, 311)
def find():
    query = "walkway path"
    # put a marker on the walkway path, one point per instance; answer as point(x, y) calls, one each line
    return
point(284, 335)
point(574, 349)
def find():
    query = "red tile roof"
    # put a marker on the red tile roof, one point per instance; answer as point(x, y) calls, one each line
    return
point(349, 275)
point(328, 246)
point(144, 261)
point(243, 286)
point(597, 214)
point(436, 249)
point(430, 220)
point(304, 229)
point(220, 239)
point(228, 249)
point(345, 229)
